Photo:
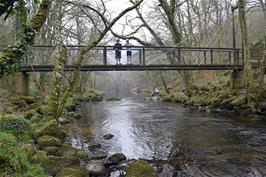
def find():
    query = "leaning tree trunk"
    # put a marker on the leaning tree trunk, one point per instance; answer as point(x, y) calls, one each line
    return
point(253, 77)
point(11, 56)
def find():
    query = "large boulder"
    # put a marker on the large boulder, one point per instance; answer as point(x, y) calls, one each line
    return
point(140, 168)
point(96, 168)
point(114, 159)
point(72, 172)
point(55, 164)
point(46, 141)
point(48, 128)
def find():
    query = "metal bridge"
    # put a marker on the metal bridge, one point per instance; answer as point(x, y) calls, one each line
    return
point(102, 58)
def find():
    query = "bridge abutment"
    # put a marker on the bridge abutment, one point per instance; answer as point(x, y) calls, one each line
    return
point(22, 83)
point(237, 79)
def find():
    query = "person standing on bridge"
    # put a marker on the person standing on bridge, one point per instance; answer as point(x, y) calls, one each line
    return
point(118, 48)
point(128, 45)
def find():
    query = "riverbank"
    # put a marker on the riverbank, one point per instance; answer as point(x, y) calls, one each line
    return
point(217, 96)
point(41, 147)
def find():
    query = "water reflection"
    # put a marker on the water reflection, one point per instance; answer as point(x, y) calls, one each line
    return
point(221, 146)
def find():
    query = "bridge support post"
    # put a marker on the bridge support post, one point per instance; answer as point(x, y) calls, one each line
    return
point(237, 79)
point(22, 83)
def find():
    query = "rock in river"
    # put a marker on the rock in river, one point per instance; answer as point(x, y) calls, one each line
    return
point(114, 159)
point(95, 168)
point(108, 136)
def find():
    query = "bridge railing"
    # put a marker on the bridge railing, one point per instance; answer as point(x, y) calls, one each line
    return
point(105, 55)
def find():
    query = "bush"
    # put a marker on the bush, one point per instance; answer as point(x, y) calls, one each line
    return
point(16, 126)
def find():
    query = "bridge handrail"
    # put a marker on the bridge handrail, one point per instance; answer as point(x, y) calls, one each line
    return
point(100, 47)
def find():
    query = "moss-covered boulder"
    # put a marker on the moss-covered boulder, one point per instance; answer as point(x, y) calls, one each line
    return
point(29, 99)
point(14, 161)
point(55, 164)
point(29, 148)
point(39, 157)
point(90, 95)
point(46, 141)
point(113, 98)
point(72, 172)
point(49, 128)
point(176, 97)
point(140, 168)
point(240, 100)
point(52, 150)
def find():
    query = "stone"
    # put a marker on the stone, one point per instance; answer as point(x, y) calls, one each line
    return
point(52, 150)
point(63, 121)
point(113, 98)
point(39, 157)
point(29, 148)
point(95, 146)
point(46, 141)
point(96, 168)
point(48, 128)
point(114, 159)
point(72, 172)
point(54, 164)
point(77, 116)
point(108, 136)
point(140, 168)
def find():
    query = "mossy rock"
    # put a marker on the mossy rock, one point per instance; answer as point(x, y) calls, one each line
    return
point(29, 99)
point(72, 172)
point(29, 113)
point(90, 95)
point(14, 160)
point(49, 128)
point(55, 164)
point(46, 141)
point(240, 100)
point(39, 157)
point(167, 98)
point(140, 168)
point(113, 98)
point(52, 150)
point(29, 148)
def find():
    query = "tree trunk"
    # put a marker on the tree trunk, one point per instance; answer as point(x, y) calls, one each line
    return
point(11, 57)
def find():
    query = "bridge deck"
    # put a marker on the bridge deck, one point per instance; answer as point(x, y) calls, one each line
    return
point(84, 68)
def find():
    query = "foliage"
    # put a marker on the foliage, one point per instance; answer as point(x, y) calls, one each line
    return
point(14, 161)
point(15, 125)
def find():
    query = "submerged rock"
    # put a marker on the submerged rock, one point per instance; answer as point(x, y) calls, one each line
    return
point(108, 136)
point(96, 168)
point(114, 159)
point(95, 146)
point(140, 168)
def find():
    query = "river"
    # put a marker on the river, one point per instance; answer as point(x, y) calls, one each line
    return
point(212, 144)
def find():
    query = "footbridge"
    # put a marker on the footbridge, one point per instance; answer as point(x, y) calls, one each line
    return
point(102, 58)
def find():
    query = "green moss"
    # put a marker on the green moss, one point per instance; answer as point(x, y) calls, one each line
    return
point(47, 128)
point(113, 98)
point(61, 163)
point(140, 168)
point(39, 157)
point(90, 95)
point(46, 141)
point(14, 160)
point(72, 172)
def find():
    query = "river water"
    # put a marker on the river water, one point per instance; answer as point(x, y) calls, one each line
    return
point(212, 144)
